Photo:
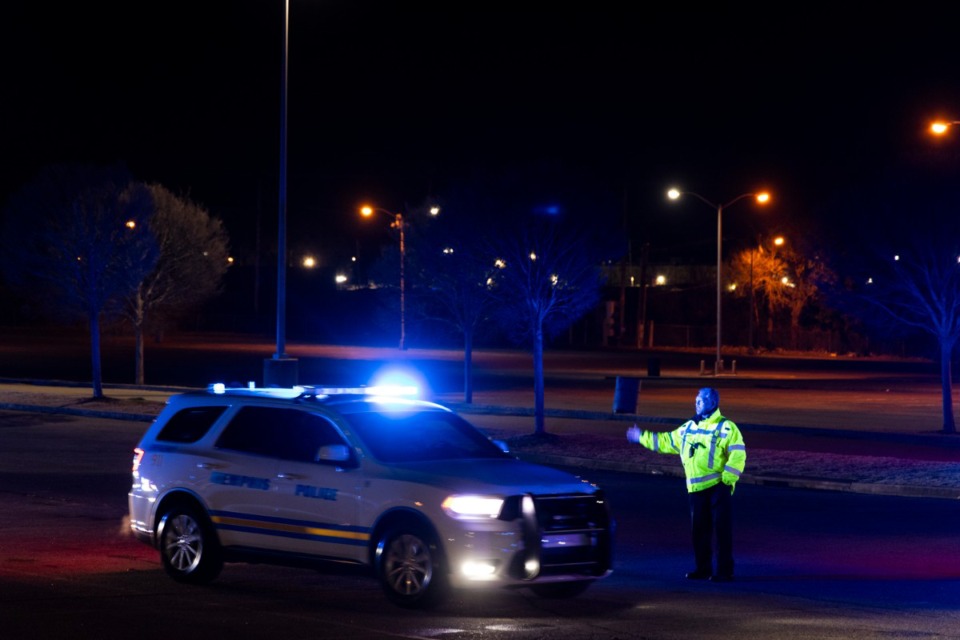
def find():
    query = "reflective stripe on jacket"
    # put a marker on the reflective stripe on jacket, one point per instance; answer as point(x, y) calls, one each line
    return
point(712, 450)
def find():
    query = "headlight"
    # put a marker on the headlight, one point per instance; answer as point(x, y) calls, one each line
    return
point(472, 507)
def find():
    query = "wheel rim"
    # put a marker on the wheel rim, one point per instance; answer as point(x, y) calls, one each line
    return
point(408, 566)
point(183, 543)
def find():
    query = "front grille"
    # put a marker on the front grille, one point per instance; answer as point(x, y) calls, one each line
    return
point(568, 513)
point(567, 534)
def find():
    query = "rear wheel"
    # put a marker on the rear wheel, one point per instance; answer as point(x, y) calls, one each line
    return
point(410, 567)
point(188, 545)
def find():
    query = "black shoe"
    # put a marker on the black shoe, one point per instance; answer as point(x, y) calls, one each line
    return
point(721, 578)
point(698, 575)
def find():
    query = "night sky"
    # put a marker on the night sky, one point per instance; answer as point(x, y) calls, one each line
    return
point(396, 102)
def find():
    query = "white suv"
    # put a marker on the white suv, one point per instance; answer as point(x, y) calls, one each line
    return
point(406, 487)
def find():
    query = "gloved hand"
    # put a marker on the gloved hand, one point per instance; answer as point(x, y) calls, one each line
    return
point(633, 434)
point(730, 480)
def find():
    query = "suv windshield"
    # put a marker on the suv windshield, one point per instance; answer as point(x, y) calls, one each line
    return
point(420, 436)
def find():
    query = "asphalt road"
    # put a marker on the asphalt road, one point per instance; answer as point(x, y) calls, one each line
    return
point(810, 565)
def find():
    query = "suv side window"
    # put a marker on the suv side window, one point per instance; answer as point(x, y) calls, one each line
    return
point(189, 425)
point(278, 433)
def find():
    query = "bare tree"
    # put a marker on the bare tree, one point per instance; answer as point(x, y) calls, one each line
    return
point(76, 238)
point(548, 276)
point(919, 288)
point(454, 267)
point(190, 266)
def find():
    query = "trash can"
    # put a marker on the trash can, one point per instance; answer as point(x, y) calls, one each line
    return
point(625, 394)
point(653, 367)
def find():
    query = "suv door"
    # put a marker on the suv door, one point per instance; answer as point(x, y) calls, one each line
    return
point(239, 481)
point(310, 505)
point(318, 490)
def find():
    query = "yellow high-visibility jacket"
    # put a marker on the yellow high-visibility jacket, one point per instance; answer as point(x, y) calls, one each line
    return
point(712, 450)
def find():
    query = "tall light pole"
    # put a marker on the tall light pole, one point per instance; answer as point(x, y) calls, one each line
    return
point(762, 198)
point(282, 205)
point(280, 370)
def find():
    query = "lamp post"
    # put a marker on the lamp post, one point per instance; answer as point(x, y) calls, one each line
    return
point(280, 370)
point(761, 198)
point(399, 224)
point(367, 211)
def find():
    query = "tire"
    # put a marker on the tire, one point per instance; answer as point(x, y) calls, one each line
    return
point(189, 549)
point(410, 568)
point(557, 590)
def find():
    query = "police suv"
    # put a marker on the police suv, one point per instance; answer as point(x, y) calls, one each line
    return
point(360, 475)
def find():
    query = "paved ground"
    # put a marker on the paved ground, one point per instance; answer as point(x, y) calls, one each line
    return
point(877, 435)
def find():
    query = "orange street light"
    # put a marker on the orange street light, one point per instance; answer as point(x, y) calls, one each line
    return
point(762, 197)
point(940, 127)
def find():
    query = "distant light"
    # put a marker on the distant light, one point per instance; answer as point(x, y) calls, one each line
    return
point(547, 209)
point(763, 197)
point(533, 256)
point(939, 128)
point(733, 286)
point(778, 241)
point(340, 278)
point(131, 224)
point(500, 263)
point(366, 211)
point(309, 262)
point(660, 280)
point(219, 387)
point(896, 258)
point(869, 280)
point(448, 250)
point(229, 259)
point(673, 194)
point(434, 210)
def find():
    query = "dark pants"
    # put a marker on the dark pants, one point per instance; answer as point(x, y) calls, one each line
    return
point(711, 513)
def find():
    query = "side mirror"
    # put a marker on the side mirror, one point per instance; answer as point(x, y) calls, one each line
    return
point(333, 453)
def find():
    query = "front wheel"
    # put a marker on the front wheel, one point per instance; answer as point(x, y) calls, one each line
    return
point(410, 568)
point(188, 545)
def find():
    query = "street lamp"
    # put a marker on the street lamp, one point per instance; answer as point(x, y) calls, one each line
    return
point(940, 127)
point(761, 198)
point(398, 223)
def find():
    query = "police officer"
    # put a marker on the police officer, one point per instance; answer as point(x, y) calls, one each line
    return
point(713, 455)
